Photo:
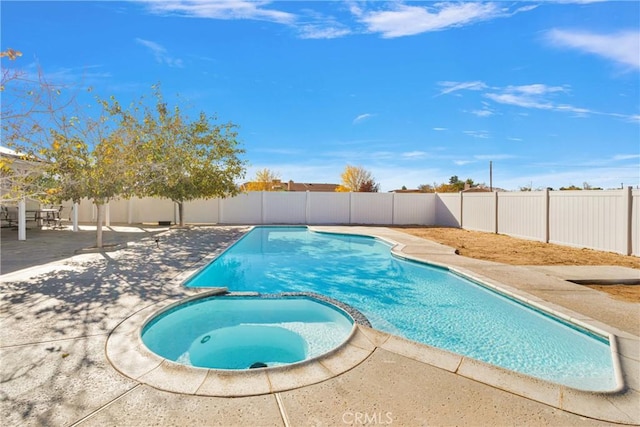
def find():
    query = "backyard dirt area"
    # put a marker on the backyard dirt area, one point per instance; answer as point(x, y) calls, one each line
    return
point(509, 250)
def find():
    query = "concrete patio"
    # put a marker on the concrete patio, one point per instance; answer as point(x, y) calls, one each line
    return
point(58, 310)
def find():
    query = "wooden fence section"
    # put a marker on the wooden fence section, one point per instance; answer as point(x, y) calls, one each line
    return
point(604, 220)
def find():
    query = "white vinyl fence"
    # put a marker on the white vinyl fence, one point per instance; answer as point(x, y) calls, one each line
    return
point(604, 220)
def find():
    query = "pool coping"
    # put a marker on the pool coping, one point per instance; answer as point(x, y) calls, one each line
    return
point(130, 357)
point(128, 354)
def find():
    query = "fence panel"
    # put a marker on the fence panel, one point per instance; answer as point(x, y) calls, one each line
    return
point(242, 209)
point(371, 208)
point(479, 211)
point(414, 209)
point(201, 211)
point(284, 208)
point(328, 208)
point(119, 211)
point(523, 214)
point(592, 219)
point(448, 209)
point(151, 210)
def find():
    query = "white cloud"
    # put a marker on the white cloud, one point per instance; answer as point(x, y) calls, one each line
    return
point(482, 134)
point(160, 53)
point(222, 9)
point(463, 162)
point(482, 113)
point(415, 154)
point(626, 156)
point(536, 96)
point(406, 20)
point(319, 32)
point(450, 87)
point(622, 47)
point(362, 117)
point(439, 129)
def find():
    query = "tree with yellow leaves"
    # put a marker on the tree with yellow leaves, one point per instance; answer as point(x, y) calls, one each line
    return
point(265, 180)
point(357, 179)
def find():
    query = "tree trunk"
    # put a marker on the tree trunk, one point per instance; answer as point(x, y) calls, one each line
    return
point(181, 213)
point(99, 225)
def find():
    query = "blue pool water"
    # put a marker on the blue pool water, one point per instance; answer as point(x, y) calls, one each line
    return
point(414, 300)
point(238, 332)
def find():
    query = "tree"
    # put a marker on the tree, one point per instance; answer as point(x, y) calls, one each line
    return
point(369, 186)
point(29, 103)
point(90, 157)
point(186, 160)
point(426, 188)
point(571, 187)
point(455, 185)
point(357, 179)
point(265, 180)
point(73, 155)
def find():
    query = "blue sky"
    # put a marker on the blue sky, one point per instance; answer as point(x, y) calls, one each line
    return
point(414, 92)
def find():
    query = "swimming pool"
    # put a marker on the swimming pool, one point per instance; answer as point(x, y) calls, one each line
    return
point(227, 332)
point(420, 302)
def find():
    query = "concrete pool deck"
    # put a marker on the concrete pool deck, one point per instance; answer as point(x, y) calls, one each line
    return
point(57, 315)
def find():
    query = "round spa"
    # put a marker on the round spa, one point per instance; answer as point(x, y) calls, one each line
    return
point(244, 332)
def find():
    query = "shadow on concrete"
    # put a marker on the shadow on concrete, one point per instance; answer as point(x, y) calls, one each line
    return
point(55, 322)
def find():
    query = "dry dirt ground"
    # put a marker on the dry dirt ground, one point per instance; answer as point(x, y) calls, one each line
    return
point(509, 250)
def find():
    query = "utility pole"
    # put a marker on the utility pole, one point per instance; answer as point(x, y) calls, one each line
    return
point(490, 175)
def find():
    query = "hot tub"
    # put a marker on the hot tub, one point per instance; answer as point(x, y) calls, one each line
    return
point(244, 332)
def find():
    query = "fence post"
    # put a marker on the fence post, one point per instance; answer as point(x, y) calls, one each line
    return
point(262, 210)
point(220, 210)
point(547, 233)
point(628, 221)
point(74, 212)
point(393, 208)
point(307, 211)
point(461, 208)
point(495, 207)
point(22, 219)
point(350, 196)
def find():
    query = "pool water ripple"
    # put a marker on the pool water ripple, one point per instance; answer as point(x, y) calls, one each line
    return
point(420, 302)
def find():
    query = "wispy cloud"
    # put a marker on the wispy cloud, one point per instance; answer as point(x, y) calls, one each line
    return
point(415, 154)
point(486, 111)
point(463, 162)
point(626, 156)
point(361, 118)
point(622, 47)
point(450, 87)
point(221, 9)
point(482, 134)
point(308, 24)
point(439, 129)
point(533, 96)
point(407, 20)
point(322, 32)
point(527, 96)
point(160, 53)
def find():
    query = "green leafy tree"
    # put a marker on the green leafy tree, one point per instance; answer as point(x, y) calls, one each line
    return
point(90, 157)
point(186, 160)
point(455, 185)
